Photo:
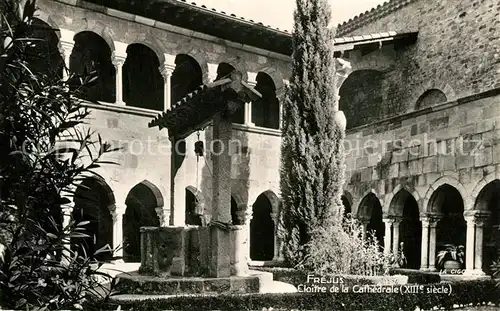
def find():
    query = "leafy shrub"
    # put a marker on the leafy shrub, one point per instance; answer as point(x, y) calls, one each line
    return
point(341, 249)
point(44, 153)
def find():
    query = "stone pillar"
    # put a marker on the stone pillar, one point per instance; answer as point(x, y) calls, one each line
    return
point(395, 235)
point(469, 244)
point(433, 221)
point(221, 207)
point(66, 44)
point(248, 220)
point(118, 61)
point(252, 81)
point(67, 211)
point(163, 215)
point(474, 243)
point(117, 214)
point(239, 266)
point(387, 235)
point(166, 70)
point(275, 218)
point(365, 221)
point(424, 261)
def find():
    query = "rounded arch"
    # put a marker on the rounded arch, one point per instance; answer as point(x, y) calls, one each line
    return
point(92, 55)
point(142, 202)
point(238, 64)
point(430, 98)
point(262, 226)
point(370, 209)
point(265, 110)
point(143, 84)
point(150, 44)
point(47, 19)
point(399, 191)
point(446, 180)
point(487, 207)
point(99, 29)
point(482, 183)
point(187, 76)
point(361, 97)
point(275, 75)
point(155, 191)
point(357, 204)
point(442, 87)
point(44, 55)
point(201, 60)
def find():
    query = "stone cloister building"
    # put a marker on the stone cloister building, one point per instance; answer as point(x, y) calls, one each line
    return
point(419, 83)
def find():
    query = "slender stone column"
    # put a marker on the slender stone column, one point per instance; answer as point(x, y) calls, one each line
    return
point(424, 262)
point(67, 211)
point(163, 215)
point(221, 186)
point(365, 221)
point(252, 81)
point(239, 266)
point(274, 216)
point(117, 214)
point(469, 244)
point(248, 215)
point(477, 220)
point(395, 235)
point(166, 70)
point(432, 243)
point(118, 61)
point(387, 235)
point(66, 43)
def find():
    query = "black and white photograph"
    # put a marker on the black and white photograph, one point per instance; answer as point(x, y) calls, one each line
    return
point(258, 155)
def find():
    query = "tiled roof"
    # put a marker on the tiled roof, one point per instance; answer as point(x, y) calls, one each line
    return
point(232, 16)
point(371, 15)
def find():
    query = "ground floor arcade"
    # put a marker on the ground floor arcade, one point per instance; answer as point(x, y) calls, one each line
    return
point(419, 225)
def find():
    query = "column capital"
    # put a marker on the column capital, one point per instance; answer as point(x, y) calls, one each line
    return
point(163, 215)
point(212, 72)
point(252, 78)
point(166, 70)
point(117, 210)
point(430, 219)
point(118, 60)
point(477, 217)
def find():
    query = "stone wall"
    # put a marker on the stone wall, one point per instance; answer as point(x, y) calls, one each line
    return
point(457, 51)
point(457, 143)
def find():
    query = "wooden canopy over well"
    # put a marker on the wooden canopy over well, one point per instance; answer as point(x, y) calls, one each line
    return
point(197, 109)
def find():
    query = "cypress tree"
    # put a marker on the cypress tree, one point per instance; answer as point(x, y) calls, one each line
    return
point(312, 151)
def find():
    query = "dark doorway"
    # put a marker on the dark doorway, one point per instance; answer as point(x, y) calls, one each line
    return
point(410, 231)
point(370, 207)
point(262, 230)
point(192, 216)
point(93, 200)
point(141, 212)
point(452, 228)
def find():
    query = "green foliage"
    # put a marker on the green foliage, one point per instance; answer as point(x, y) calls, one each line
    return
point(45, 151)
point(312, 151)
point(463, 292)
point(341, 249)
